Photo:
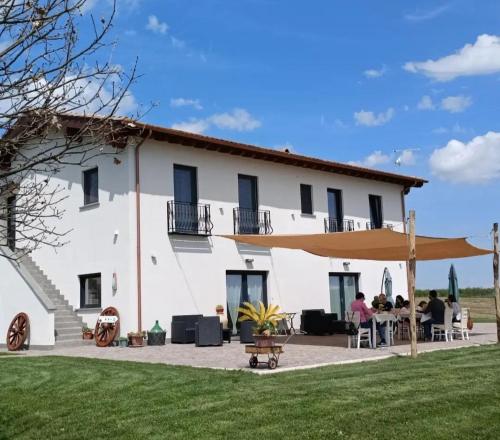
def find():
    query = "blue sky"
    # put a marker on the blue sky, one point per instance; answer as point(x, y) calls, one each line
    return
point(347, 81)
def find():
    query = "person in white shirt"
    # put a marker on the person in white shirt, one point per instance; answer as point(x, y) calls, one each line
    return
point(457, 311)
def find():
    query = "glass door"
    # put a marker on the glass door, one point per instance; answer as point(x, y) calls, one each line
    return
point(186, 199)
point(335, 214)
point(248, 204)
point(244, 286)
point(343, 289)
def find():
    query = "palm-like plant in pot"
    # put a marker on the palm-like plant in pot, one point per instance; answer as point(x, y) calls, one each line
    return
point(266, 321)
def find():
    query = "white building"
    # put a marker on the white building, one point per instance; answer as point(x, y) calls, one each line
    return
point(192, 188)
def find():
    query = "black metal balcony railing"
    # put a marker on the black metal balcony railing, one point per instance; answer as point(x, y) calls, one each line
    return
point(188, 218)
point(371, 225)
point(334, 225)
point(248, 221)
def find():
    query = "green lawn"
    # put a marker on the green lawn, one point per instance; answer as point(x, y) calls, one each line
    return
point(441, 395)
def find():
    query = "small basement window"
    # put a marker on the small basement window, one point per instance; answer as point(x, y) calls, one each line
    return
point(90, 290)
point(306, 204)
point(90, 186)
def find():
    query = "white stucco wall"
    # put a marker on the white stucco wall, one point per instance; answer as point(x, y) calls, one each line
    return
point(188, 274)
point(17, 296)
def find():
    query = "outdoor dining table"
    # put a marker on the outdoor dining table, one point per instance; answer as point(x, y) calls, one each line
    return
point(382, 318)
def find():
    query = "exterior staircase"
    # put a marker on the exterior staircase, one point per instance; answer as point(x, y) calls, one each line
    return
point(67, 324)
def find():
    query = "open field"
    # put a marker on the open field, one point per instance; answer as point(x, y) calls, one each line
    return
point(441, 395)
point(482, 309)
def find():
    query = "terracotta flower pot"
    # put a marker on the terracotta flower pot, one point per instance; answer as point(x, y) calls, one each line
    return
point(264, 341)
point(135, 341)
point(88, 335)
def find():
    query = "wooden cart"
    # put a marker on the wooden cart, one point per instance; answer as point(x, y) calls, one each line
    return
point(273, 355)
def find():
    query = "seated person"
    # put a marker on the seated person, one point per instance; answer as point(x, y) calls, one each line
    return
point(405, 307)
point(386, 305)
point(421, 306)
point(435, 308)
point(365, 314)
point(375, 303)
point(399, 302)
point(457, 311)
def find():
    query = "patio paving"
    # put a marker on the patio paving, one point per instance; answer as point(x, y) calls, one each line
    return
point(301, 352)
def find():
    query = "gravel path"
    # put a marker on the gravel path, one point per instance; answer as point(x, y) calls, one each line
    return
point(232, 356)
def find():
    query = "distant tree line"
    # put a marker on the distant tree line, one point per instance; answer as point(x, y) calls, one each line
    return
point(468, 292)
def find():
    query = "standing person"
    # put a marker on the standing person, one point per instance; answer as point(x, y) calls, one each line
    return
point(457, 310)
point(435, 308)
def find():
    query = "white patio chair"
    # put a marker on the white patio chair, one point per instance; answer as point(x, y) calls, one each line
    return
point(460, 328)
point(364, 334)
point(445, 329)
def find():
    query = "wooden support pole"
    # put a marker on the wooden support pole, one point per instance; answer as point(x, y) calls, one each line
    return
point(412, 264)
point(495, 278)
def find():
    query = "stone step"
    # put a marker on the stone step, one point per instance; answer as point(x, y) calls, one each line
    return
point(68, 324)
point(69, 337)
point(62, 330)
point(74, 343)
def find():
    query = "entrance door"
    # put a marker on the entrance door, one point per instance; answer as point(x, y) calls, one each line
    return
point(343, 289)
point(249, 204)
point(243, 287)
point(186, 199)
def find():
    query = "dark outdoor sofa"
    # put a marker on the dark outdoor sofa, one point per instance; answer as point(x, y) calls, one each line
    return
point(183, 328)
point(317, 322)
point(208, 331)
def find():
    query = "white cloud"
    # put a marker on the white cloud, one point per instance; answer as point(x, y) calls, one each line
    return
point(480, 58)
point(372, 160)
point(477, 161)
point(238, 119)
point(184, 102)
point(457, 129)
point(177, 43)
point(425, 103)
point(407, 158)
point(427, 15)
point(456, 104)
point(375, 73)
point(156, 26)
point(371, 119)
point(193, 125)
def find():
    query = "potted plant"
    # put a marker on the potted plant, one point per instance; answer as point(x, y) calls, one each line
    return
point(87, 333)
point(266, 321)
point(135, 339)
point(219, 309)
point(122, 342)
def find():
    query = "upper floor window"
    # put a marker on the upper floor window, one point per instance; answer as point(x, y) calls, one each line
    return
point(90, 186)
point(306, 202)
point(185, 184)
point(90, 290)
point(376, 215)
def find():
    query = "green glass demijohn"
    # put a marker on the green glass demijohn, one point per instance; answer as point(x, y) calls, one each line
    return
point(156, 328)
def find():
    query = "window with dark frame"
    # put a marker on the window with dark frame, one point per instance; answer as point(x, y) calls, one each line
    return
point(306, 202)
point(376, 215)
point(90, 186)
point(90, 290)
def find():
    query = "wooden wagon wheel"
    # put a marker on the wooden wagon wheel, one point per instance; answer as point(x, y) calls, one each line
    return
point(105, 333)
point(18, 331)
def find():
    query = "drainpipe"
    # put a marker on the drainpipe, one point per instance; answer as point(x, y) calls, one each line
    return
point(138, 230)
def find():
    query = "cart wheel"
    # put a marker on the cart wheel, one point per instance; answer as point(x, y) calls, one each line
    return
point(253, 362)
point(272, 363)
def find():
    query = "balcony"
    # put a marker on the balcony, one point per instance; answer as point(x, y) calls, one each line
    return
point(248, 221)
point(188, 218)
point(371, 225)
point(333, 225)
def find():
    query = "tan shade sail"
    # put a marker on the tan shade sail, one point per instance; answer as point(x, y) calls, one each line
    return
point(377, 244)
